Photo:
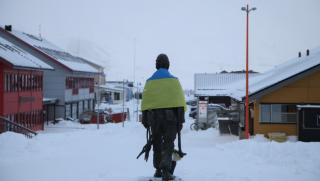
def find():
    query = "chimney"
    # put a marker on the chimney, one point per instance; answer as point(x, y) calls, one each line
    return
point(299, 54)
point(8, 27)
point(308, 52)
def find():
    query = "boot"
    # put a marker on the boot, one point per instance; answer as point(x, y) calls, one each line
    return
point(166, 176)
point(158, 173)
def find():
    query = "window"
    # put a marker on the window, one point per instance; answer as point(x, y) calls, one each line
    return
point(5, 83)
point(9, 82)
point(79, 83)
point(278, 113)
point(89, 104)
point(32, 79)
point(85, 105)
point(19, 82)
point(13, 83)
point(91, 85)
point(116, 96)
point(68, 110)
point(41, 83)
point(27, 82)
point(74, 111)
point(22, 82)
point(80, 107)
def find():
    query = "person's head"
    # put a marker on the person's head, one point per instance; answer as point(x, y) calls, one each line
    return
point(162, 61)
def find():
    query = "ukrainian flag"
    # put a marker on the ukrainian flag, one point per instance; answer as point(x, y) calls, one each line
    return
point(162, 90)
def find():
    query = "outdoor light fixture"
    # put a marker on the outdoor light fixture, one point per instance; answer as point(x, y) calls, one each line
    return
point(247, 9)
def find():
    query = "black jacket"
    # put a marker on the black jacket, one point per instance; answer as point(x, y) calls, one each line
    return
point(147, 115)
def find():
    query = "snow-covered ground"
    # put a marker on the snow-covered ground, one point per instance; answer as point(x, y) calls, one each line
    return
point(69, 151)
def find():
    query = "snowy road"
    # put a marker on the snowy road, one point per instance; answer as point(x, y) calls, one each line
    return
point(109, 154)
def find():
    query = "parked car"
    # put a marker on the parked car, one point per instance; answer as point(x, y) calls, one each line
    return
point(91, 117)
point(192, 102)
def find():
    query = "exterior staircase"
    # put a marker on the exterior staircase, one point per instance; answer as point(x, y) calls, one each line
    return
point(8, 125)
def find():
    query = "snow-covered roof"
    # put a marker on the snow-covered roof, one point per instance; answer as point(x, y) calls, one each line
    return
point(309, 106)
point(204, 81)
point(18, 57)
point(47, 100)
point(235, 87)
point(216, 84)
point(112, 87)
point(72, 62)
point(120, 83)
point(276, 75)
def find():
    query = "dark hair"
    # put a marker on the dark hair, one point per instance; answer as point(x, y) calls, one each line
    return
point(162, 61)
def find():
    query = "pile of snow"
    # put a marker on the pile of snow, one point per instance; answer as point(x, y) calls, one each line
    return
point(114, 108)
point(70, 151)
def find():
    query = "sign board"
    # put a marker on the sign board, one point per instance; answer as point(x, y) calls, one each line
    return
point(203, 105)
point(24, 99)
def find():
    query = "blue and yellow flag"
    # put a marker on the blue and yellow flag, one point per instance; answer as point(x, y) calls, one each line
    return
point(162, 90)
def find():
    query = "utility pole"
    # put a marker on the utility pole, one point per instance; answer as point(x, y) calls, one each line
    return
point(247, 10)
point(98, 101)
point(123, 97)
point(138, 99)
point(134, 61)
point(134, 74)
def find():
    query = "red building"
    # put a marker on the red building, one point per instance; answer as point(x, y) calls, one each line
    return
point(20, 86)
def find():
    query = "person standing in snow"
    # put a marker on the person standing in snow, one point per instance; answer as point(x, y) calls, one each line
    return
point(163, 106)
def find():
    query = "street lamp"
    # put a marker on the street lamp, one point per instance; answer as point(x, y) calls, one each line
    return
point(247, 10)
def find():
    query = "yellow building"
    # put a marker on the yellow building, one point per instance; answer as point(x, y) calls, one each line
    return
point(286, 99)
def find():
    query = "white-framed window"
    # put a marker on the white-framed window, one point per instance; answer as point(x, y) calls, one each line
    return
point(117, 96)
point(278, 113)
point(74, 111)
point(90, 104)
point(68, 110)
point(80, 110)
point(85, 105)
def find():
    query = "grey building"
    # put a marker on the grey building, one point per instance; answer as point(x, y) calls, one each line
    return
point(215, 87)
point(69, 89)
point(213, 94)
point(115, 92)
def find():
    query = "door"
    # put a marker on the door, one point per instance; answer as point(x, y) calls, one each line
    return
point(309, 124)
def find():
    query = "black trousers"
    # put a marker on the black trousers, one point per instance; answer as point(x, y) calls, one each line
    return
point(164, 131)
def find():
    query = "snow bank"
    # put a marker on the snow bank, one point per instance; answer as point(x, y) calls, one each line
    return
point(70, 151)
point(13, 143)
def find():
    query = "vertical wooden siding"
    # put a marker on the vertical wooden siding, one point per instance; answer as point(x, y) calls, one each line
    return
point(303, 91)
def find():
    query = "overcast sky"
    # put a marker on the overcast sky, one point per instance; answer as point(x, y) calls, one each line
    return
point(198, 35)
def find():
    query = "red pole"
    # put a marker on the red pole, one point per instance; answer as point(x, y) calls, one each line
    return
point(247, 77)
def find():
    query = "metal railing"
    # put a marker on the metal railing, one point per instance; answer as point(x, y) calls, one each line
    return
point(8, 125)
